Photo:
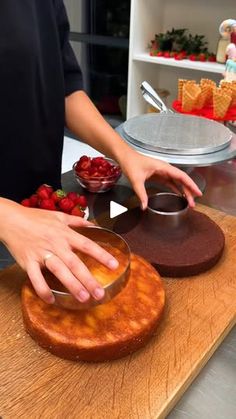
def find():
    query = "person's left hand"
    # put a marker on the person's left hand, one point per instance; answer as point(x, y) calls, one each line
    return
point(139, 168)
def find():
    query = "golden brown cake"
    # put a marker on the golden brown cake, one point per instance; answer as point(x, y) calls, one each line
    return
point(104, 332)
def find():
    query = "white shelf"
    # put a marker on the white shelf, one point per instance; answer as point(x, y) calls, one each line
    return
point(192, 65)
point(150, 17)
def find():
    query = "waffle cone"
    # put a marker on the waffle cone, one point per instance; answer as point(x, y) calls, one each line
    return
point(221, 103)
point(233, 101)
point(207, 87)
point(227, 90)
point(181, 84)
point(225, 84)
point(190, 96)
point(180, 89)
point(208, 82)
point(202, 99)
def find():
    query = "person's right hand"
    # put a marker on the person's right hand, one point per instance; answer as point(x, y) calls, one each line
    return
point(38, 237)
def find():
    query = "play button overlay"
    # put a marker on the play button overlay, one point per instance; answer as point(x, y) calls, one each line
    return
point(116, 209)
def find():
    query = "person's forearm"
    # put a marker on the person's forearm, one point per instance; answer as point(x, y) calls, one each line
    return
point(85, 121)
point(7, 210)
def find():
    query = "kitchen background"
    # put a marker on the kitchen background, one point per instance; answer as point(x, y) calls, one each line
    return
point(100, 40)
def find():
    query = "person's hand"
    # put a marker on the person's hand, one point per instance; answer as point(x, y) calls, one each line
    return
point(140, 168)
point(38, 238)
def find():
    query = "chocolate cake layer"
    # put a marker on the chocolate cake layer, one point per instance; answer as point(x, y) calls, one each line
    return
point(189, 250)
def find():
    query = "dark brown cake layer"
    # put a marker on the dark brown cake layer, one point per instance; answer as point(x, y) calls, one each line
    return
point(105, 332)
point(186, 251)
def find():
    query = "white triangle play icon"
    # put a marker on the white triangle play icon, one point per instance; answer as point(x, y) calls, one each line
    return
point(116, 209)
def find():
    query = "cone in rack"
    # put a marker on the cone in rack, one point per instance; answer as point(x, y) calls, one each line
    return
point(181, 83)
point(207, 87)
point(191, 92)
point(221, 103)
point(202, 99)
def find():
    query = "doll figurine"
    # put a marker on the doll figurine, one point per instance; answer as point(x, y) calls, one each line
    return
point(229, 27)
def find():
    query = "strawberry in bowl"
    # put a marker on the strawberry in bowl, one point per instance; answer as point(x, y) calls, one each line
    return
point(97, 174)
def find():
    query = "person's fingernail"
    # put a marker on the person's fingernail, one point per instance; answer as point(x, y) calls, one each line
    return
point(98, 293)
point(51, 299)
point(83, 296)
point(113, 264)
point(143, 206)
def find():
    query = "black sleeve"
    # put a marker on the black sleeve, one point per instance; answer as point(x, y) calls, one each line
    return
point(72, 72)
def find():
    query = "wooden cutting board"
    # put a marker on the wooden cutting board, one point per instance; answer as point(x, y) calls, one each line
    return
point(200, 311)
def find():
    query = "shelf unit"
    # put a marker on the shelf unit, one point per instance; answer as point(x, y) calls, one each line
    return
point(192, 65)
point(149, 17)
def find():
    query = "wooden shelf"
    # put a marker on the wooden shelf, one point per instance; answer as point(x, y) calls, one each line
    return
point(193, 65)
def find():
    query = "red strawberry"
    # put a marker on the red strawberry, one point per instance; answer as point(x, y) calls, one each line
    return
point(192, 57)
point(34, 201)
point(58, 195)
point(44, 191)
point(180, 56)
point(212, 58)
point(73, 196)
point(82, 201)
point(97, 161)
point(160, 54)
point(166, 54)
point(84, 163)
point(66, 205)
point(202, 57)
point(47, 204)
point(84, 158)
point(26, 202)
point(77, 211)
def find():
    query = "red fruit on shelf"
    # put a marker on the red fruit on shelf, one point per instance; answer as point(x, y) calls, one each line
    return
point(77, 211)
point(58, 195)
point(47, 204)
point(34, 201)
point(26, 202)
point(180, 56)
point(192, 57)
point(66, 205)
point(202, 57)
point(212, 58)
point(166, 54)
point(82, 201)
point(44, 191)
point(160, 54)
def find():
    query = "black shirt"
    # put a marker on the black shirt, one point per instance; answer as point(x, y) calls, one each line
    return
point(37, 70)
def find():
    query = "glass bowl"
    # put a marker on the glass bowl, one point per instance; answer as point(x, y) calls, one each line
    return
point(112, 282)
point(98, 183)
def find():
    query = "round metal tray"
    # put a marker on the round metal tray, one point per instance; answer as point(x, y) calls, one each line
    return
point(177, 134)
point(198, 160)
